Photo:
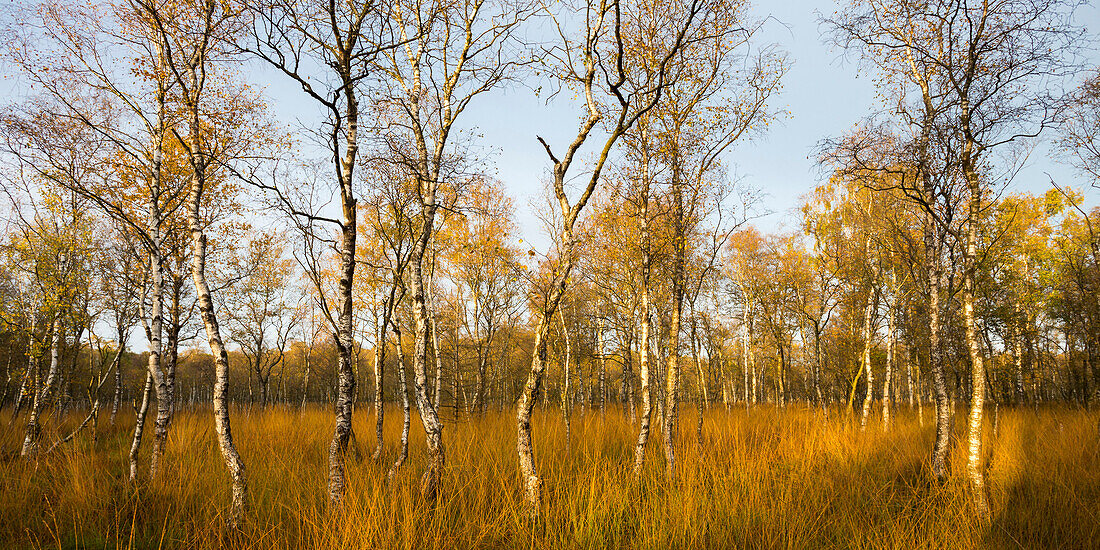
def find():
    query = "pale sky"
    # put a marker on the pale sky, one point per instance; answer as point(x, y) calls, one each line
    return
point(824, 95)
point(823, 92)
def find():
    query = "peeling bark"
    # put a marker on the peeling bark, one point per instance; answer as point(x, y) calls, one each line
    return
point(139, 427)
point(42, 392)
point(403, 451)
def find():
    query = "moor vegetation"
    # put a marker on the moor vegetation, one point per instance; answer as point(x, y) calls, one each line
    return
point(231, 321)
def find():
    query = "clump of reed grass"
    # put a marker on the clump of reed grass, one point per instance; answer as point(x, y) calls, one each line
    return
point(763, 478)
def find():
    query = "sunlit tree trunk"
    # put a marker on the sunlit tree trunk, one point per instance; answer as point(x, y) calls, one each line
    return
point(780, 372)
point(672, 384)
point(160, 385)
point(480, 388)
point(747, 368)
point(305, 376)
point(155, 322)
point(703, 389)
point(817, 397)
point(117, 399)
point(702, 401)
point(388, 306)
point(601, 359)
point(868, 342)
point(567, 379)
point(432, 481)
point(891, 331)
point(42, 392)
point(909, 380)
point(974, 471)
point(345, 388)
point(672, 371)
point(756, 391)
point(403, 387)
point(644, 329)
point(222, 426)
point(437, 399)
point(174, 326)
point(932, 245)
point(643, 370)
point(139, 427)
point(627, 357)
point(1018, 353)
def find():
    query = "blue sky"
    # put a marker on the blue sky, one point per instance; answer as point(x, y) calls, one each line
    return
point(824, 95)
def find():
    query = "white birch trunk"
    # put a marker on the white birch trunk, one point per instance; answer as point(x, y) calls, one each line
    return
point(402, 386)
point(42, 392)
point(891, 331)
point(865, 357)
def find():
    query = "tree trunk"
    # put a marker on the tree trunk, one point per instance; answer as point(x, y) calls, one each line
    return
point(672, 381)
point(479, 388)
point(751, 355)
point(345, 391)
point(7, 381)
point(160, 385)
point(379, 371)
point(432, 482)
point(702, 401)
point(118, 390)
point(627, 378)
point(139, 427)
point(672, 374)
point(455, 404)
point(402, 386)
point(698, 364)
point(746, 352)
point(602, 361)
point(817, 366)
point(936, 355)
point(909, 380)
point(566, 394)
point(171, 351)
point(526, 402)
point(305, 378)
point(1018, 353)
point(781, 370)
point(42, 392)
point(888, 376)
point(67, 397)
point(437, 399)
point(868, 317)
point(28, 377)
point(643, 370)
point(977, 367)
point(263, 381)
point(232, 458)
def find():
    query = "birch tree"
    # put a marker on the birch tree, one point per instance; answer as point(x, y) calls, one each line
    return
point(451, 53)
point(595, 64)
point(328, 50)
point(105, 75)
point(264, 307)
point(987, 75)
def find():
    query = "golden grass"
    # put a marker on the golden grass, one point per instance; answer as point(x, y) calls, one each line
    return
point(761, 479)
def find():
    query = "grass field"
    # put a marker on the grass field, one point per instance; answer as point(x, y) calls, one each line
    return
point(762, 479)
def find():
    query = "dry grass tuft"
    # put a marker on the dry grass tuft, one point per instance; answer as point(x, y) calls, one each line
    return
point(765, 478)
